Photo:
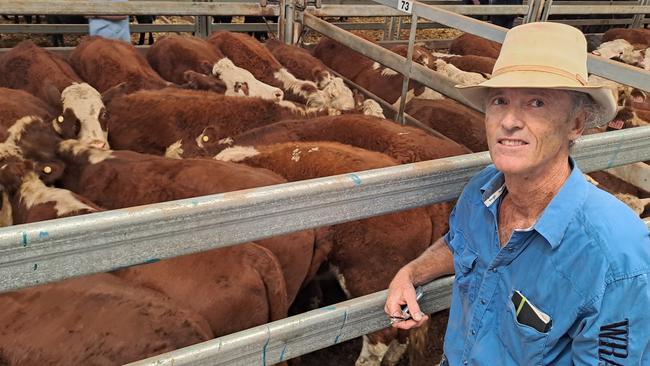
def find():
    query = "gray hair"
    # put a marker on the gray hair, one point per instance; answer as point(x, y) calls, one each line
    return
point(594, 112)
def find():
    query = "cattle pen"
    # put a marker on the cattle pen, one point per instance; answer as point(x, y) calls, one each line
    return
point(54, 250)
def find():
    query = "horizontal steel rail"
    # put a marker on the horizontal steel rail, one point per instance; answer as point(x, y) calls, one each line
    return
point(297, 335)
point(57, 249)
point(599, 9)
point(383, 11)
point(177, 7)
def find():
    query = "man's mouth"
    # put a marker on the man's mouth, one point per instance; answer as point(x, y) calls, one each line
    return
point(512, 142)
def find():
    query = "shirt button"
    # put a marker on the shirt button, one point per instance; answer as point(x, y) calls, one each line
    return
point(465, 362)
point(510, 250)
point(494, 269)
point(483, 301)
point(473, 332)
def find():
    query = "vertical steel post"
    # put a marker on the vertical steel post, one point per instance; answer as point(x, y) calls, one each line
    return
point(202, 23)
point(407, 77)
point(638, 18)
point(546, 9)
point(533, 8)
point(288, 21)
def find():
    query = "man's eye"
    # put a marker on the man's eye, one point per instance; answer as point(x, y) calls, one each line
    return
point(498, 101)
point(537, 103)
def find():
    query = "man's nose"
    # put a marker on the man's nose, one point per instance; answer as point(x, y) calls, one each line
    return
point(511, 119)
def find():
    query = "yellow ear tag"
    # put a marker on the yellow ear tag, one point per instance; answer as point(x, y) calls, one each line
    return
point(59, 119)
point(47, 170)
point(205, 138)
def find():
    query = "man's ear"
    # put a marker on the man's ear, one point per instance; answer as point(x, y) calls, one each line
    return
point(579, 122)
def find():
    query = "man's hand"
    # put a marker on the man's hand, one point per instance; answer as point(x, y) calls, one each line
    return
point(401, 292)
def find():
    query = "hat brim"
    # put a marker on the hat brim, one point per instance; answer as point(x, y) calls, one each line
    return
point(477, 94)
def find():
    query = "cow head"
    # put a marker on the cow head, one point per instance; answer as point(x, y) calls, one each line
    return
point(339, 95)
point(32, 139)
point(236, 77)
point(83, 105)
point(613, 48)
point(198, 81)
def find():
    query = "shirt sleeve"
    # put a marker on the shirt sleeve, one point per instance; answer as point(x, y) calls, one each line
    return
point(617, 329)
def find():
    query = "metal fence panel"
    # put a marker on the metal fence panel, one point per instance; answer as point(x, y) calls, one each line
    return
point(57, 249)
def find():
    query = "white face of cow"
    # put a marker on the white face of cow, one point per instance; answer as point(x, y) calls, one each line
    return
point(83, 102)
point(613, 48)
point(339, 95)
point(240, 82)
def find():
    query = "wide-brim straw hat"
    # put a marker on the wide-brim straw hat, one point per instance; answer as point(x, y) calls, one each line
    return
point(543, 55)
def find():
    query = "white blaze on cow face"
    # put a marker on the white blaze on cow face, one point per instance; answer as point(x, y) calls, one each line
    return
point(457, 75)
point(372, 108)
point(339, 95)
point(236, 78)
point(236, 154)
point(34, 192)
point(613, 48)
point(86, 104)
point(305, 88)
point(76, 148)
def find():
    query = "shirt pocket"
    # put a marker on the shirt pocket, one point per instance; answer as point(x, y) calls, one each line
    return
point(466, 273)
point(525, 344)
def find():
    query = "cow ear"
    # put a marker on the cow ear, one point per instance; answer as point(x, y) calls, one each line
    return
point(358, 98)
point(50, 171)
point(52, 95)
point(205, 67)
point(67, 125)
point(116, 91)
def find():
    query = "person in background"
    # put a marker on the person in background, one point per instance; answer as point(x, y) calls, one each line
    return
point(110, 26)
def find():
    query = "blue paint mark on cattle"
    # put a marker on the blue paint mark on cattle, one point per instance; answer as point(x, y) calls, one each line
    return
point(355, 178)
point(345, 319)
point(35, 266)
point(284, 349)
point(266, 344)
point(24, 238)
point(43, 234)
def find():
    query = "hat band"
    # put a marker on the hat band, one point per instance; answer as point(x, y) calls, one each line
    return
point(540, 68)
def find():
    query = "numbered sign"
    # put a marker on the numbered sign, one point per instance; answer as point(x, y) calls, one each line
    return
point(405, 6)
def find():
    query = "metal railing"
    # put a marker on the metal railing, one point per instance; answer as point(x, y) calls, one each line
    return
point(53, 250)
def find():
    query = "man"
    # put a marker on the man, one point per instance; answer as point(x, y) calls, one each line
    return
point(110, 26)
point(549, 269)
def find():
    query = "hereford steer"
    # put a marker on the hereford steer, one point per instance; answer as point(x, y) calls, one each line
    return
point(94, 320)
point(149, 121)
point(37, 71)
point(452, 119)
point(105, 63)
point(366, 252)
point(31, 200)
point(173, 56)
point(108, 178)
point(457, 75)
point(469, 44)
point(246, 52)
point(304, 66)
point(49, 77)
point(340, 58)
point(472, 63)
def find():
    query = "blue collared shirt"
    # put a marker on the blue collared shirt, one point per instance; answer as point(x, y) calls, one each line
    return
point(585, 263)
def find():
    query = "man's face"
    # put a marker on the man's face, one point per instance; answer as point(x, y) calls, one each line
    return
point(528, 130)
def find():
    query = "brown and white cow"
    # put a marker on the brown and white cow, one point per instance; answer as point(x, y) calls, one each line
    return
point(94, 320)
point(304, 66)
point(50, 78)
point(248, 53)
point(149, 121)
point(365, 253)
point(633, 36)
point(173, 56)
point(105, 63)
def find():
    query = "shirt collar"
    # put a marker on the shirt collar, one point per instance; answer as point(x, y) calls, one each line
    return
point(555, 219)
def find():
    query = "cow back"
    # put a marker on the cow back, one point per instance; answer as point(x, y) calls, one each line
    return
point(171, 56)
